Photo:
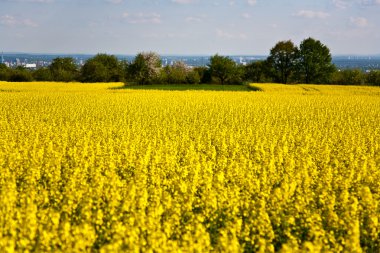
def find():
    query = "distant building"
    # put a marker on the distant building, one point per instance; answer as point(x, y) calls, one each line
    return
point(31, 65)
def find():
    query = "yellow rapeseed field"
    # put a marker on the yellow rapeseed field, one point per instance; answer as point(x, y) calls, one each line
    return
point(88, 168)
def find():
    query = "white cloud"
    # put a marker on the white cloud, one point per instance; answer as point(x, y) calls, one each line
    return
point(184, 1)
point(223, 34)
point(166, 35)
point(226, 35)
point(274, 26)
point(369, 2)
point(193, 20)
point(142, 18)
point(312, 14)
point(31, 1)
point(115, 1)
point(29, 23)
point(342, 4)
point(246, 15)
point(252, 2)
point(9, 20)
point(359, 21)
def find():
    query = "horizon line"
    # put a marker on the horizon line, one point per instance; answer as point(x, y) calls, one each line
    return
point(174, 54)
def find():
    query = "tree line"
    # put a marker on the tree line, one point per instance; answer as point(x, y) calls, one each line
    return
point(310, 62)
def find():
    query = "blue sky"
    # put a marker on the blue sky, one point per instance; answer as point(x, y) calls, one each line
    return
point(189, 27)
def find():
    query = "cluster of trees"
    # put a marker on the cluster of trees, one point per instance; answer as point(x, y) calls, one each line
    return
point(310, 62)
point(101, 68)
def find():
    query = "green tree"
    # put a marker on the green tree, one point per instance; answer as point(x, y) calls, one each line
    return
point(125, 68)
point(373, 77)
point(349, 77)
point(4, 72)
point(314, 62)
point(193, 77)
point(20, 74)
point(223, 68)
point(282, 59)
point(204, 74)
point(255, 71)
point(145, 68)
point(42, 74)
point(64, 69)
point(102, 68)
point(176, 73)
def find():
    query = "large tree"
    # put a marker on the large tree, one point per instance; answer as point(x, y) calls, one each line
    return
point(63, 69)
point(177, 73)
point(223, 68)
point(4, 72)
point(373, 77)
point(20, 74)
point(145, 68)
point(102, 68)
point(314, 62)
point(282, 60)
point(349, 77)
point(255, 71)
point(42, 74)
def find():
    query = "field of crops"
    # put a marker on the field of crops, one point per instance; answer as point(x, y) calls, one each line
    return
point(85, 168)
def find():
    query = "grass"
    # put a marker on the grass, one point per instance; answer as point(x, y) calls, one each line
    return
point(184, 87)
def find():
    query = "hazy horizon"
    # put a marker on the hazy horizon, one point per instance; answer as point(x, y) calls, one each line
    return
point(186, 27)
point(174, 54)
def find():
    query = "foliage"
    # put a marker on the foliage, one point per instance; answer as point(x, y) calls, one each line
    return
point(42, 74)
point(176, 74)
point(102, 68)
point(204, 74)
point(145, 68)
point(313, 63)
point(4, 72)
point(85, 168)
point(224, 69)
point(179, 73)
point(282, 60)
point(256, 71)
point(193, 77)
point(349, 77)
point(20, 74)
point(310, 63)
point(64, 69)
point(373, 78)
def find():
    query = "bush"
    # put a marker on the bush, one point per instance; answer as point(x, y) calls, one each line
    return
point(176, 73)
point(256, 71)
point(42, 74)
point(4, 72)
point(225, 70)
point(349, 77)
point(204, 74)
point(146, 68)
point(20, 74)
point(373, 78)
point(63, 70)
point(193, 77)
point(103, 68)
